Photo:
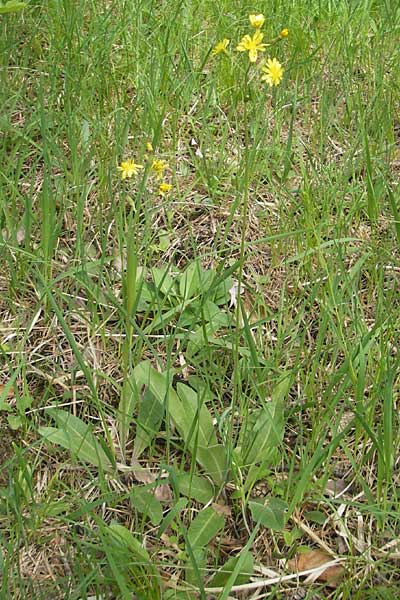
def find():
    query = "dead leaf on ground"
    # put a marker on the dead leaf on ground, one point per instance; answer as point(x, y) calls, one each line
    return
point(233, 293)
point(222, 509)
point(162, 491)
point(10, 393)
point(336, 487)
point(305, 561)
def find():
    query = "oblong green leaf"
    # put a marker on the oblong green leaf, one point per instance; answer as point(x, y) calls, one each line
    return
point(271, 513)
point(267, 430)
point(223, 574)
point(189, 282)
point(195, 566)
point(204, 527)
point(163, 280)
point(151, 412)
point(193, 423)
point(193, 486)
point(12, 6)
point(201, 425)
point(123, 537)
point(146, 503)
point(160, 387)
point(213, 459)
point(75, 435)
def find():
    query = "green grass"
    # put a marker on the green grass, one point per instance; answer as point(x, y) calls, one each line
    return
point(142, 411)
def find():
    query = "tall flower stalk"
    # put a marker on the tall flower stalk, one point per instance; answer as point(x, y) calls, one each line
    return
point(271, 72)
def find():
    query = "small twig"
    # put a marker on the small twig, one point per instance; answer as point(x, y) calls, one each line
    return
point(266, 582)
point(312, 535)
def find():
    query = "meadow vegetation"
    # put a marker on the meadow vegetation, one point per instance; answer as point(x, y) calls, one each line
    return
point(199, 299)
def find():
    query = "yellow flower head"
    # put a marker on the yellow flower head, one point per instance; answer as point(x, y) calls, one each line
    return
point(273, 72)
point(129, 168)
point(164, 188)
point(159, 167)
point(252, 45)
point(221, 47)
point(284, 33)
point(149, 147)
point(256, 21)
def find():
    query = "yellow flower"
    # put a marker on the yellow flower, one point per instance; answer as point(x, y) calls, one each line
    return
point(164, 188)
point(159, 167)
point(252, 45)
point(273, 72)
point(149, 147)
point(284, 33)
point(129, 168)
point(221, 47)
point(256, 21)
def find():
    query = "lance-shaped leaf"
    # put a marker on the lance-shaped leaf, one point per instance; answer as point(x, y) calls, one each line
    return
point(190, 281)
point(204, 528)
point(75, 435)
point(193, 486)
point(267, 429)
point(270, 513)
point(202, 429)
point(151, 412)
point(223, 574)
point(145, 502)
point(12, 6)
point(191, 418)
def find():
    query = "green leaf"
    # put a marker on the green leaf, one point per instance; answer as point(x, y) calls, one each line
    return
point(265, 435)
point(269, 512)
point(194, 572)
point(201, 336)
point(123, 537)
point(222, 575)
point(145, 502)
point(206, 278)
point(211, 311)
point(291, 536)
point(213, 459)
point(177, 508)
point(189, 283)
point(204, 528)
point(159, 385)
point(128, 401)
point(6, 390)
point(12, 6)
point(201, 425)
point(76, 436)
point(193, 486)
point(164, 281)
point(221, 293)
point(151, 412)
point(268, 427)
point(14, 421)
point(316, 516)
point(193, 422)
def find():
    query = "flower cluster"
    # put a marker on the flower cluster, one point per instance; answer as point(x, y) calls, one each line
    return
point(129, 168)
point(253, 44)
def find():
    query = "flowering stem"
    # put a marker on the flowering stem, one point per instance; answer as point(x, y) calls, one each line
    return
point(245, 191)
point(128, 392)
